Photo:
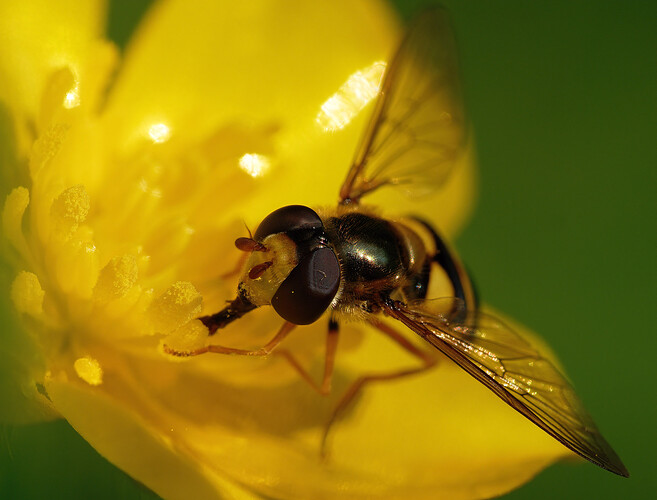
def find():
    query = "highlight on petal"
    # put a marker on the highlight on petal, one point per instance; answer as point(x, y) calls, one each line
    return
point(159, 132)
point(72, 98)
point(359, 89)
point(254, 164)
point(61, 91)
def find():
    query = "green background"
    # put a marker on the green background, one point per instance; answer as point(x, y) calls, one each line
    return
point(563, 99)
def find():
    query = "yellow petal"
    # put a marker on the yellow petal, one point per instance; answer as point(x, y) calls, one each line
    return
point(127, 441)
point(440, 432)
point(193, 64)
point(240, 66)
point(251, 67)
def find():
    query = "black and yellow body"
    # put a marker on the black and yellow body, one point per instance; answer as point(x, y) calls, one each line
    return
point(347, 260)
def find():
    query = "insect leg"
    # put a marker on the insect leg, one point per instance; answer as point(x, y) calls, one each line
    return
point(428, 361)
point(219, 349)
point(329, 358)
point(239, 265)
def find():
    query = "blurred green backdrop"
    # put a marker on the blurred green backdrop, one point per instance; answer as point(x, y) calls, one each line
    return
point(563, 99)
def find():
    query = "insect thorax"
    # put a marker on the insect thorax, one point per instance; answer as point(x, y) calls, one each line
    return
point(377, 256)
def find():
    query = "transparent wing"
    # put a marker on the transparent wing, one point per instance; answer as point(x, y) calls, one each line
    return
point(417, 128)
point(515, 371)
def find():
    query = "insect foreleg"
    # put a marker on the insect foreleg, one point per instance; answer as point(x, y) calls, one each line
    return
point(219, 349)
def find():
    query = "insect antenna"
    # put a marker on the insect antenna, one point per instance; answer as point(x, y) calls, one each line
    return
point(259, 269)
point(249, 245)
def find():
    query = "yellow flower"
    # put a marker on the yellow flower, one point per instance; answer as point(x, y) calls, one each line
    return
point(124, 194)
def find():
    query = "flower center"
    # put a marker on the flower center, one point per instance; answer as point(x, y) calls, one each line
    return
point(110, 249)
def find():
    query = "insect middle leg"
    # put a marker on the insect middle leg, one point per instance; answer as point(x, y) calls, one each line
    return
point(329, 360)
point(427, 362)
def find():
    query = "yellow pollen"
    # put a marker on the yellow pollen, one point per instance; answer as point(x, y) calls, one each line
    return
point(72, 205)
point(191, 336)
point(47, 146)
point(179, 304)
point(254, 164)
point(116, 278)
point(359, 89)
point(27, 294)
point(89, 370)
point(159, 132)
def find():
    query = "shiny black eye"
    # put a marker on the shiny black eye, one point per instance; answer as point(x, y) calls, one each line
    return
point(309, 289)
point(287, 219)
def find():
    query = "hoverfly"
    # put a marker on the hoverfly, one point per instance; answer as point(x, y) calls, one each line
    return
point(354, 264)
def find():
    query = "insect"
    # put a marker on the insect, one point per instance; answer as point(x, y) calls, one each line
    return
point(350, 263)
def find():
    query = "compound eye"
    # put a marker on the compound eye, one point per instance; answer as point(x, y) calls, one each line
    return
point(309, 289)
point(286, 219)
